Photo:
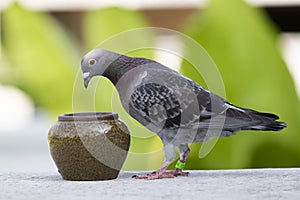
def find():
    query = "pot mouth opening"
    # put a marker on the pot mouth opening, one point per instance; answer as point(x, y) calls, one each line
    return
point(88, 116)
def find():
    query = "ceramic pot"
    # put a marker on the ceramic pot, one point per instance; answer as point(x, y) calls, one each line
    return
point(89, 146)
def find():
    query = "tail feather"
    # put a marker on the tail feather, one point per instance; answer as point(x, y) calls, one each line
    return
point(269, 115)
point(275, 126)
point(254, 120)
point(268, 123)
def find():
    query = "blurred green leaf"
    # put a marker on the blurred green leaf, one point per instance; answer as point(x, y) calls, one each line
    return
point(43, 55)
point(106, 28)
point(243, 43)
point(7, 75)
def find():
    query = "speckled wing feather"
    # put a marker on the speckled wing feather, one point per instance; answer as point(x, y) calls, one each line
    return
point(170, 100)
point(155, 104)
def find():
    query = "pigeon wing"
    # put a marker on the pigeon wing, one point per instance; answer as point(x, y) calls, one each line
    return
point(174, 102)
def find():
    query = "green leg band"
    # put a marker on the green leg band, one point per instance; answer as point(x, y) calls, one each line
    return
point(180, 165)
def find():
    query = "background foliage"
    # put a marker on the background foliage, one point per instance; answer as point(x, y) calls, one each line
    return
point(43, 59)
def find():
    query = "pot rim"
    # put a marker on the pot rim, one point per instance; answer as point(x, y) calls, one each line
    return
point(88, 116)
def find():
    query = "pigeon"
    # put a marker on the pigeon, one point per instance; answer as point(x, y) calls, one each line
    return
point(171, 105)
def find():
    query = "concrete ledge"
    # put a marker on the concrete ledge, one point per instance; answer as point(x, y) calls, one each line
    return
point(206, 184)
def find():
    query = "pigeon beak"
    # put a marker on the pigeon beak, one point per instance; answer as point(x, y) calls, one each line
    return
point(86, 78)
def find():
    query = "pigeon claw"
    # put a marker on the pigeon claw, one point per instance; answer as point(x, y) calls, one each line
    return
point(178, 172)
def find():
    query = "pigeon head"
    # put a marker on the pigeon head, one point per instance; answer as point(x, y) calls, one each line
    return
point(95, 63)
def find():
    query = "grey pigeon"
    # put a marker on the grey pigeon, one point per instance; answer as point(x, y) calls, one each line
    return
point(173, 106)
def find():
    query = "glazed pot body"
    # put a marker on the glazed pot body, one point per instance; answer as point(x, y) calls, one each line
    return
point(89, 146)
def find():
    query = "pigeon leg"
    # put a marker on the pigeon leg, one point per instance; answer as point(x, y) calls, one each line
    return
point(184, 152)
point(170, 155)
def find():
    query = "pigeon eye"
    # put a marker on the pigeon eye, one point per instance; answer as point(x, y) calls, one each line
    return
point(92, 61)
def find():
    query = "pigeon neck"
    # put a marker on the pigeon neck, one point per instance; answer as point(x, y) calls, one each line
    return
point(121, 66)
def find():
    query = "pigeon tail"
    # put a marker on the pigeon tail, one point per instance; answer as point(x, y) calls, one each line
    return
point(268, 123)
point(238, 118)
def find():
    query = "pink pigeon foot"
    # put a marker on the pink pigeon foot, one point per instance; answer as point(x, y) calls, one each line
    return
point(154, 175)
point(162, 173)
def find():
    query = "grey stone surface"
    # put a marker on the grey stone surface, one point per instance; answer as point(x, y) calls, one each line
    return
point(206, 184)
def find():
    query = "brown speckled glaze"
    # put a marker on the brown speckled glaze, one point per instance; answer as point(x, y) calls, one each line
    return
point(89, 146)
